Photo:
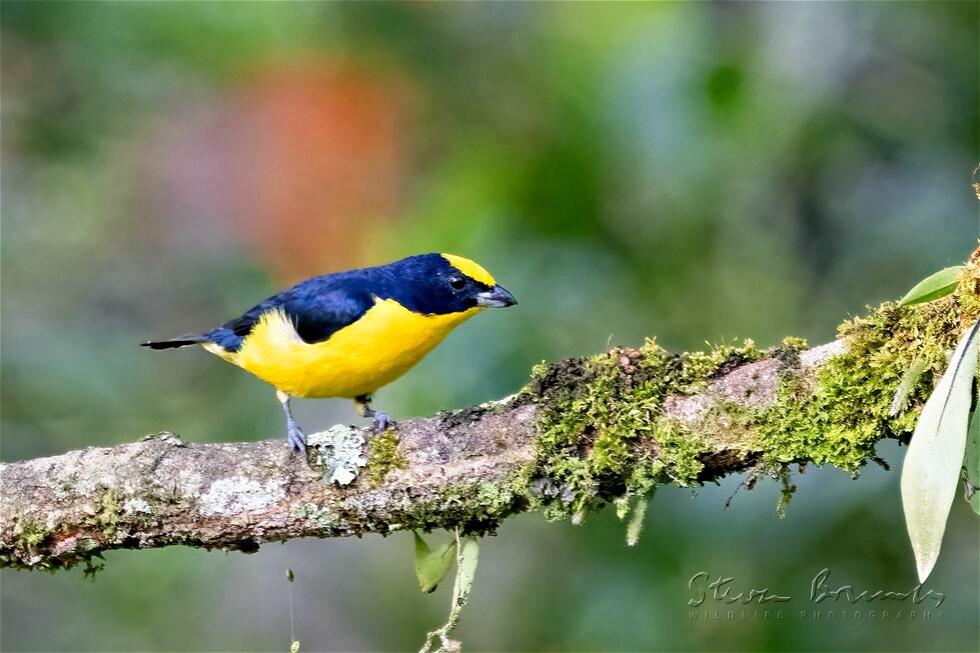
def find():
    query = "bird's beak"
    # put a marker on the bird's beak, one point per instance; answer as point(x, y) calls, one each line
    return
point(496, 297)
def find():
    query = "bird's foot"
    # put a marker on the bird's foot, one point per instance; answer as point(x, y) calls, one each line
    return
point(362, 404)
point(295, 437)
point(382, 422)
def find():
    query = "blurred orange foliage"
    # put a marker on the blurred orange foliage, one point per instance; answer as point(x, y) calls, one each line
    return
point(295, 162)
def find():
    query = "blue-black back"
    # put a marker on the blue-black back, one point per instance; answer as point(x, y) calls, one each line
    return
point(323, 305)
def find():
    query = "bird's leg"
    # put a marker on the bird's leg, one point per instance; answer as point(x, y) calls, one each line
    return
point(362, 404)
point(294, 434)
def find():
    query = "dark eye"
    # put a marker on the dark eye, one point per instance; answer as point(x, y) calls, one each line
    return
point(457, 282)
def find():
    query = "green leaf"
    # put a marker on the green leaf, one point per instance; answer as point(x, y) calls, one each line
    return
point(909, 379)
point(432, 566)
point(971, 463)
point(466, 572)
point(467, 556)
point(934, 286)
point(931, 470)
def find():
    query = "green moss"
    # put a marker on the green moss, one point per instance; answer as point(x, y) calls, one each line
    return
point(598, 416)
point(92, 568)
point(967, 294)
point(795, 344)
point(106, 517)
point(30, 534)
point(787, 491)
point(679, 456)
point(731, 423)
point(383, 457)
point(839, 419)
point(699, 367)
point(476, 508)
point(601, 434)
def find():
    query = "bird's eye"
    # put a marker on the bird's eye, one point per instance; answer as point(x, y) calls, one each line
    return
point(457, 282)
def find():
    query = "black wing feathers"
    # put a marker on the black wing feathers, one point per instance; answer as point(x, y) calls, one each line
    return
point(318, 308)
point(317, 316)
point(321, 306)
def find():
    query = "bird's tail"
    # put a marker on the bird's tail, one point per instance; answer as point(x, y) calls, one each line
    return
point(180, 341)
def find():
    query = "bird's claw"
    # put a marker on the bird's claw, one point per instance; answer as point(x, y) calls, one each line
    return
point(295, 437)
point(382, 422)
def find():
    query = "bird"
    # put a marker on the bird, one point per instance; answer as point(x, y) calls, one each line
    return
point(347, 334)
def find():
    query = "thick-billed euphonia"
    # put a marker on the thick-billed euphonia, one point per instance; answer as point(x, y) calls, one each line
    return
point(349, 333)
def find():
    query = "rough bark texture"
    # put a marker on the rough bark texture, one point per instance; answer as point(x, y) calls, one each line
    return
point(453, 469)
point(584, 432)
point(162, 491)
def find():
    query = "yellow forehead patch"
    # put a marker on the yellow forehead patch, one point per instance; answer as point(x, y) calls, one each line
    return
point(470, 269)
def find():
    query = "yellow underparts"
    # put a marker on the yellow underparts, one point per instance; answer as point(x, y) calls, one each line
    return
point(387, 341)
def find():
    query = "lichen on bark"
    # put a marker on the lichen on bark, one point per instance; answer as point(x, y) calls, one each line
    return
point(609, 427)
point(584, 432)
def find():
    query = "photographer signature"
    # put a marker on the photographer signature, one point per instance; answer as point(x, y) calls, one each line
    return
point(722, 588)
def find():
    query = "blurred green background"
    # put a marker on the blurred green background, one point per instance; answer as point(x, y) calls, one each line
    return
point(698, 172)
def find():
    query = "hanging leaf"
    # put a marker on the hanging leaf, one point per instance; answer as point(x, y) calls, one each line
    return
point(931, 470)
point(635, 528)
point(971, 463)
point(432, 566)
point(468, 558)
point(909, 379)
point(934, 286)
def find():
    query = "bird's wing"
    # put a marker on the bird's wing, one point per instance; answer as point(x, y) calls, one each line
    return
point(318, 313)
point(317, 309)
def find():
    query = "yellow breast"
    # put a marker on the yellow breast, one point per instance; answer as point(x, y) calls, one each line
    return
point(387, 341)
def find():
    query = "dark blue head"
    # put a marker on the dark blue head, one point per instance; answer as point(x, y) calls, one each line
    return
point(430, 284)
point(438, 284)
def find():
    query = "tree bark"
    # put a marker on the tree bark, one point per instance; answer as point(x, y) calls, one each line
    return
point(161, 490)
point(467, 469)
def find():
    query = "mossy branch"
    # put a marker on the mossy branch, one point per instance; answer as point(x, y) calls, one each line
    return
point(584, 432)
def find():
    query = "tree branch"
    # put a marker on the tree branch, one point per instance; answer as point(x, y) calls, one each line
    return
point(583, 432)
